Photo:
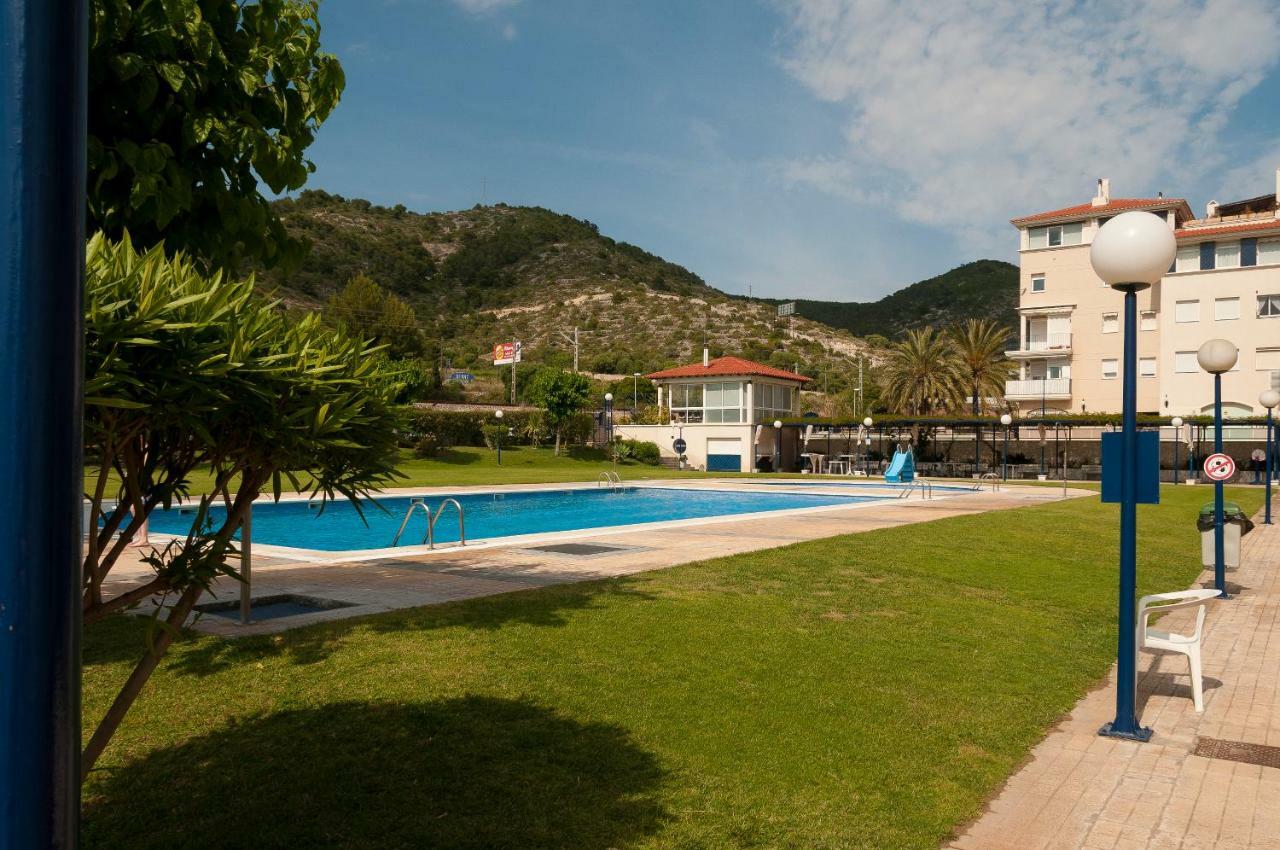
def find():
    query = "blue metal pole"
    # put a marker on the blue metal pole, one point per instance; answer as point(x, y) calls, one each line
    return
point(1125, 724)
point(1267, 482)
point(1219, 554)
point(43, 56)
point(1177, 440)
point(1005, 461)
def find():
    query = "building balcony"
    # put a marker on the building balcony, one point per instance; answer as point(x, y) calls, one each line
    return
point(1039, 347)
point(1037, 388)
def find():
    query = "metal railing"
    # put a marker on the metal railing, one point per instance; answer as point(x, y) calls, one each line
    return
point(1050, 342)
point(1037, 387)
point(993, 478)
point(462, 527)
point(917, 485)
point(414, 504)
point(609, 479)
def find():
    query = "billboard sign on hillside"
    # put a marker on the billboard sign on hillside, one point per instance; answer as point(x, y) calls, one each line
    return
point(786, 309)
point(505, 353)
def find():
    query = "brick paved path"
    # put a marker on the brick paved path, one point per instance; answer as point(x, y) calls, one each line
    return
point(1082, 791)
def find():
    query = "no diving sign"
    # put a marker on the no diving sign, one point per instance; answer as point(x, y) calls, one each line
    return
point(1219, 467)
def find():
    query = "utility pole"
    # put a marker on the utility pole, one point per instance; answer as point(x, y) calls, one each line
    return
point(572, 340)
point(859, 385)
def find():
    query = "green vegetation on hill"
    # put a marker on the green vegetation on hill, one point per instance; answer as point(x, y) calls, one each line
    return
point(984, 289)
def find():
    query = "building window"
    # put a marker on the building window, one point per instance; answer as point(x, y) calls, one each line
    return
point(1227, 255)
point(1267, 359)
point(1269, 252)
point(1208, 250)
point(1268, 306)
point(1225, 309)
point(1248, 252)
point(1148, 320)
point(1147, 367)
point(1056, 235)
point(1188, 259)
point(1186, 311)
point(1037, 283)
point(686, 403)
point(772, 402)
point(1110, 323)
point(1109, 368)
point(722, 402)
point(1185, 362)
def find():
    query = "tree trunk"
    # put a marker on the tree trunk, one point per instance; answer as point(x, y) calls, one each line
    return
point(557, 452)
point(137, 679)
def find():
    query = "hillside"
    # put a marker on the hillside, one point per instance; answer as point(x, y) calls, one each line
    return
point(480, 276)
point(984, 289)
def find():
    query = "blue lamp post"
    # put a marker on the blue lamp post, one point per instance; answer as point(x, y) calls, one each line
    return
point(1215, 357)
point(1006, 420)
point(1269, 399)
point(42, 191)
point(497, 414)
point(1176, 422)
point(777, 445)
point(1130, 252)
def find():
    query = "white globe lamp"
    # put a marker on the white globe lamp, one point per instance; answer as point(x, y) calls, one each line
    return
point(1133, 250)
point(608, 396)
point(497, 414)
point(1269, 399)
point(867, 421)
point(777, 423)
point(1006, 420)
point(1217, 356)
point(1176, 421)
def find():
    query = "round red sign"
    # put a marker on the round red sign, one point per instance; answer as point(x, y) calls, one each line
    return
point(1219, 467)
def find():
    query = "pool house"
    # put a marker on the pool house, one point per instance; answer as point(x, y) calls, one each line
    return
point(723, 410)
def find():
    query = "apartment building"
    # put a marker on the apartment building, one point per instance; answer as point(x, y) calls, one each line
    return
point(1224, 283)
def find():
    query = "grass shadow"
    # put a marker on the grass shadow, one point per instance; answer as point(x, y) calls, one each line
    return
point(543, 607)
point(473, 772)
point(453, 458)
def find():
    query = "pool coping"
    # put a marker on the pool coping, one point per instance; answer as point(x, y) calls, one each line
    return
point(346, 556)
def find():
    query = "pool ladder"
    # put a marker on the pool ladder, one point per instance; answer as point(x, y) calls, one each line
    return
point(430, 537)
point(993, 478)
point(609, 479)
point(917, 485)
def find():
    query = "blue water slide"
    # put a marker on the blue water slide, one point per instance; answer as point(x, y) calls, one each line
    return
point(903, 468)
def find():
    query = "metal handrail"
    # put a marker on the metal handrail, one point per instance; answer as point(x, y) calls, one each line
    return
point(922, 485)
point(993, 477)
point(431, 524)
point(414, 504)
point(610, 478)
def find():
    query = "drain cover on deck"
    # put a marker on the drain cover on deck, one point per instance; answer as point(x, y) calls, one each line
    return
point(1259, 754)
point(580, 549)
point(273, 607)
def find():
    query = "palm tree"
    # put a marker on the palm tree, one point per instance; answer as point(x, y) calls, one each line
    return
point(922, 376)
point(979, 348)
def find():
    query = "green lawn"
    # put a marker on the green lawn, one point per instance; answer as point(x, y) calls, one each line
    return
point(863, 691)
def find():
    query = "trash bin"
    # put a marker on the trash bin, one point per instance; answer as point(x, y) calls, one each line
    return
point(1234, 526)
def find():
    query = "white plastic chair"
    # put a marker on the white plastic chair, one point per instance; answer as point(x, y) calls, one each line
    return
point(1188, 645)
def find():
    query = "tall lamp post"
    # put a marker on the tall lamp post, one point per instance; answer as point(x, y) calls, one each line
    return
point(635, 391)
point(1130, 252)
point(1006, 420)
point(777, 445)
point(1215, 357)
point(497, 414)
point(608, 408)
point(866, 455)
point(1176, 422)
point(1269, 399)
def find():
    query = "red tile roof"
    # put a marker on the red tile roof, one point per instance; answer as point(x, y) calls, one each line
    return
point(1118, 205)
point(1247, 227)
point(725, 366)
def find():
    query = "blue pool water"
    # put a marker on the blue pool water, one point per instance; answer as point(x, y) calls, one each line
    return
point(490, 515)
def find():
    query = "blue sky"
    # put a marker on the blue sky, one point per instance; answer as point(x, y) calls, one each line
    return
point(811, 148)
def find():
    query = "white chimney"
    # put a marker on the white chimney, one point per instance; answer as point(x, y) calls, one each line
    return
point(1104, 193)
point(1211, 209)
point(706, 356)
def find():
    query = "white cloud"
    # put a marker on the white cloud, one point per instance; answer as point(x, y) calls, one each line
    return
point(483, 7)
point(963, 114)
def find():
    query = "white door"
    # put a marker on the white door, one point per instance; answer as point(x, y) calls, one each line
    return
point(724, 454)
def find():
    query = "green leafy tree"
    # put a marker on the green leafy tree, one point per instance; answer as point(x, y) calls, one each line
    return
point(562, 395)
point(184, 372)
point(191, 103)
point(983, 368)
point(921, 376)
point(366, 309)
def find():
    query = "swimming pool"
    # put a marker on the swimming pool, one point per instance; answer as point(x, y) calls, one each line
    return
point(873, 483)
point(499, 514)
